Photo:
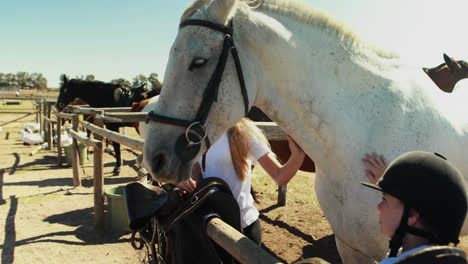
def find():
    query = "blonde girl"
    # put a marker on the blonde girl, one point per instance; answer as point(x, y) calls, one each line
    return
point(231, 159)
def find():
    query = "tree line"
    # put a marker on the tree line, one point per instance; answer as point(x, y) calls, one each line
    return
point(23, 80)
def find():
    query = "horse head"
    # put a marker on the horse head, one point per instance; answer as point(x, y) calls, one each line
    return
point(448, 74)
point(205, 75)
point(138, 94)
point(66, 95)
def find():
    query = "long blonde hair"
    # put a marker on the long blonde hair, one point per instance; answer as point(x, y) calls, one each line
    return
point(238, 136)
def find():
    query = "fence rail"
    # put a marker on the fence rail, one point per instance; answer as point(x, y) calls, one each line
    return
point(239, 246)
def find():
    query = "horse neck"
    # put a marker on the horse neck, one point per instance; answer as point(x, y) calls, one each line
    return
point(445, 78)
point(303, 84)
point(94, 96)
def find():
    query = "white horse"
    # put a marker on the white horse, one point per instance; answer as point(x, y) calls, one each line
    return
point(336, 96)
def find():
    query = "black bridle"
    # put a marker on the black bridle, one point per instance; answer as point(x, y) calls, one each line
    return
point(188, 144)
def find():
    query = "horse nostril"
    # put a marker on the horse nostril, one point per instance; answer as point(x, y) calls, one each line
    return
point(158, 162)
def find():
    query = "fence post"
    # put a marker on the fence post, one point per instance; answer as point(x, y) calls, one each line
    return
point(36, 109)
point(282, 189)
point(98, 186)
point(40, 121)
point(98, 175)
point(44, 114)
point(50, 127)
point(75, 161)
point(59, 141)
point(100, 123)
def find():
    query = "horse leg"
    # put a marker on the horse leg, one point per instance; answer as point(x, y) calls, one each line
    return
point(118, 162)
point(351, 255)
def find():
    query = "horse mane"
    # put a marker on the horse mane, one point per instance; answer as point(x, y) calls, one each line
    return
point(462, 63)
point(301, 12)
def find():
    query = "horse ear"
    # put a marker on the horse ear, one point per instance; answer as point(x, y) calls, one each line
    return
point(64, 79)
point(220, 10)
point(451, 63)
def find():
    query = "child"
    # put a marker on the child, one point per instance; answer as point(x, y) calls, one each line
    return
point(424, 201)
point(230, 159)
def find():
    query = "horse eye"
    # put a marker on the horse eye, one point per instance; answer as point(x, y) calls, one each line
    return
point(197, 63)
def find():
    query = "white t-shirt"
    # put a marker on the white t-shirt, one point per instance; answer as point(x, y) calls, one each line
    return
point(218, 163)
point(403, 255)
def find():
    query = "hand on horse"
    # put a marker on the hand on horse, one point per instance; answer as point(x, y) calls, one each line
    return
point(376, 166)
point(295, 149)
point(187, 186)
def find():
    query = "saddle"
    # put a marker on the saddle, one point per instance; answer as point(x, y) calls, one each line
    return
point(436, 255)
point(174, 225)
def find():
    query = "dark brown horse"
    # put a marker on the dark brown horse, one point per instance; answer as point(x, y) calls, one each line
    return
point(448, 74)
point(99, 94)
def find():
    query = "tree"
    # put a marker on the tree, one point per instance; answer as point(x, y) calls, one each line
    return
point(155, 83)
point(38, 81)
point(121, 82)
point(22, 79)
point(11, 80)
point(90, 77)
point(139, 80)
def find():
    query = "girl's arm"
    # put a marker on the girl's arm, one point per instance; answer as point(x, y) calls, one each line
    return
point(282, 174)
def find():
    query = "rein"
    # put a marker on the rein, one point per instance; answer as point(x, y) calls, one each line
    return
point(188, 144)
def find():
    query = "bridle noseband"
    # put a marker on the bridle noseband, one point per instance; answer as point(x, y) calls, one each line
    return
point(188, 144)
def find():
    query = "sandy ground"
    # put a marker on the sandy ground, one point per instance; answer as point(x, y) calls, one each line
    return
point(47, 220)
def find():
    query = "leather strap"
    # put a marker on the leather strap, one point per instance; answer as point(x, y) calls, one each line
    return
point(210, 95)
point(208, 24)
point(195, 201)
point(152, 116)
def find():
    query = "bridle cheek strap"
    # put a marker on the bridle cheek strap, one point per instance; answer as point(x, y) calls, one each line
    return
point(187, 148)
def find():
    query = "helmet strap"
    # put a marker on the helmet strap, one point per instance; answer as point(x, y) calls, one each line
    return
point(421, 233)
point(397, 239)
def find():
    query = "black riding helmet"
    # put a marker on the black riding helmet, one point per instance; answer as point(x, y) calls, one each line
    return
point(430, 184)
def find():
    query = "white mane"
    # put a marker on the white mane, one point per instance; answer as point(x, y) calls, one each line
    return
point(304, 13)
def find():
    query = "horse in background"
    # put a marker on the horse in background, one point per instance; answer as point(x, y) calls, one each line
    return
point(99, 94)
point(447, 74)
point(337, 96)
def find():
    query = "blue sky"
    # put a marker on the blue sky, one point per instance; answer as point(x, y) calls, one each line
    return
point(121, 38)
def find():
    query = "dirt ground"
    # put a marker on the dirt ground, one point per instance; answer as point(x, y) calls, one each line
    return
point(47, 220)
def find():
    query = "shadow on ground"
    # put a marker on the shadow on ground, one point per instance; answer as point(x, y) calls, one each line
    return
point(86, 231)
point(86, 234)
point(324, 248)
